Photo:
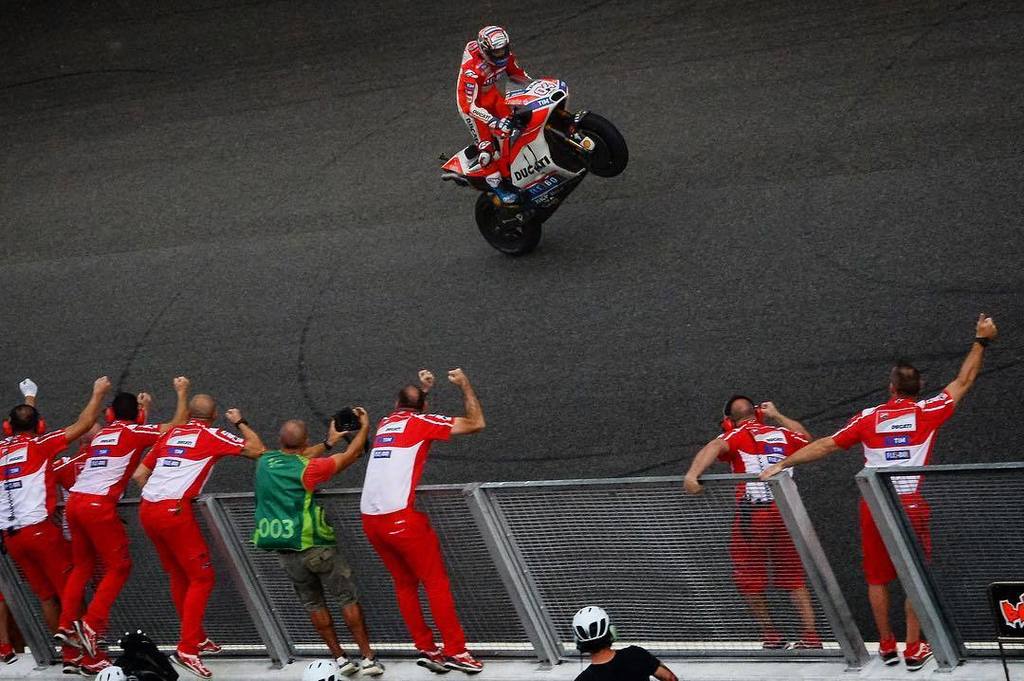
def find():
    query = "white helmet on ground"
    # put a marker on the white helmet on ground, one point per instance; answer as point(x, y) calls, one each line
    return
point(111, 674)
point(590, 624)
point(321, 670)
point(495, 44)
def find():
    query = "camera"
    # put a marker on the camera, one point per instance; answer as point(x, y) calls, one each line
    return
point(346, 420)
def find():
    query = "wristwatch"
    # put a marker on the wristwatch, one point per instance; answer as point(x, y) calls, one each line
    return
point(983, 342)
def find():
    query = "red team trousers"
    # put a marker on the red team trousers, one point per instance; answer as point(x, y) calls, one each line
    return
point(42, 553)
point(185, 557)
point(411, 552)
point(96, 532)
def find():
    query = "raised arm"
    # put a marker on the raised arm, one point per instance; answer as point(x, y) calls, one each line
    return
point(91, 412)
point(29, 390)
point(473, 421)
point(707, 455)
point(771, 411)
point(253, 447)
point(818, 449)
point(984, 333)
point(181, 386)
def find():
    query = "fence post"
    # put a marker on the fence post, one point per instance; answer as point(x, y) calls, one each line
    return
point(242, 574)
point(910, 568)
point(37, 636)
point(507, 560)
point(819, 570)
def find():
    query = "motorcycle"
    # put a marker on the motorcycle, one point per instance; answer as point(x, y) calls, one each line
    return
point(552, 150)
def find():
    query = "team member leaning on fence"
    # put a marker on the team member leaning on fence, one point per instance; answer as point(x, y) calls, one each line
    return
point(400, 534)
point(27, 525)
point(759, 537)
point(595, 635)
point(97, 530)
point(289, 522)
point(172, 475)
point(900, 432)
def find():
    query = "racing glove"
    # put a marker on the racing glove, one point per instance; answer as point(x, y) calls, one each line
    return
point(28, 388)
point(501, 126)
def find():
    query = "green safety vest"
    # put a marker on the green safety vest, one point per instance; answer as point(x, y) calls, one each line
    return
point(286, 517)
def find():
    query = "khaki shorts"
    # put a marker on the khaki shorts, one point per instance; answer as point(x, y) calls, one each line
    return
point(318, 570)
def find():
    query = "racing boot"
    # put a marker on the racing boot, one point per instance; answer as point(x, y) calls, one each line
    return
point(503, 188)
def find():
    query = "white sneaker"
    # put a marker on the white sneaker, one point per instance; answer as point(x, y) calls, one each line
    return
point(346, 667)
point(371, 666)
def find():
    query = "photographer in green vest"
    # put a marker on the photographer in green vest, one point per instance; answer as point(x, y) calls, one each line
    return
point(289, 522)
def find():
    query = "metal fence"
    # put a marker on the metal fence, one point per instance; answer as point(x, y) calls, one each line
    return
point(522, 558)
point(977, 537)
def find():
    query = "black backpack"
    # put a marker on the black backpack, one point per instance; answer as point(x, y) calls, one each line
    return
point(143, 660)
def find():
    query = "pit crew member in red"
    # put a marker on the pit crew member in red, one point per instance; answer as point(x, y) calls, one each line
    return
point(759, 536)
point(96, 528)
point(30, 534)
point(900, 432)
point(402, 535)
point(172, 475)
point(482, 103)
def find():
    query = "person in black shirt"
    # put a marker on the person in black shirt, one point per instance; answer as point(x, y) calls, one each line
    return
point(594, 636)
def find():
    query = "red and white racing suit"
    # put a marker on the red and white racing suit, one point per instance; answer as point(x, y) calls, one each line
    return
point(480, 101)
point(97, 531)
point(181, 462)
point(400, 534)
point(900, 432)
point(759, 536)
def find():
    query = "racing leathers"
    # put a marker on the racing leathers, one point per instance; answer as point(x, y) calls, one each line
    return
point(483, 107)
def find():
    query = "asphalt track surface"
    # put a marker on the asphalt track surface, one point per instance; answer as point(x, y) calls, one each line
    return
point(247, 193)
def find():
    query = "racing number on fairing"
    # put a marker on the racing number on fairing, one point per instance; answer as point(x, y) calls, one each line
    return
point(543, 87)
point(276, 528)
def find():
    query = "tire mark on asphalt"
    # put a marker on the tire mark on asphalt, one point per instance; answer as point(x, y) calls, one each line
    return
point(126, 370)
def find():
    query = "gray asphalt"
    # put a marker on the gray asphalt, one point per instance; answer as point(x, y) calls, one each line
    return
point(248, 193)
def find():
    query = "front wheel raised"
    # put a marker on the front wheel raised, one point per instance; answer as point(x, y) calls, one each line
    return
point(610, 154)
point(505, 229)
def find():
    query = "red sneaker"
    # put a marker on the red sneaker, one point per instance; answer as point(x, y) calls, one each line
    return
point(464, 662)
point(808, 641)
point(774, 641)
point(71, 664)
point(7, 655)
point(887, 651)
point(87, 637)
point(192, 664)
point(208, 647)
point(916, 654)
point(67, 637)
point(432, 660)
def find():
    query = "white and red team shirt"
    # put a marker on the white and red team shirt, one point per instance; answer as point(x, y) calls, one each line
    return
point(900, 432)
point(755, 446)
point(112, 457)
point(477, 78)
point(29, 493)
point(396, 461)
point(182, 459)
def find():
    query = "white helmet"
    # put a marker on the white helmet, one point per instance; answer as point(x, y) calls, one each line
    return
point(321, 670)
point(111, 674)
point(494, 44)
point(590, 623)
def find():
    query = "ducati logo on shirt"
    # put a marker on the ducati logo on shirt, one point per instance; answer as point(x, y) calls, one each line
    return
point(896, 421)
point(774, 436)
point(107, 439)
point(17, 456)
point(183, 440)
point(396, 427)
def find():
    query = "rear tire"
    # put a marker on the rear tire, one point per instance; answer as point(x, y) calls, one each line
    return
point(610, 155)
point(509, 237)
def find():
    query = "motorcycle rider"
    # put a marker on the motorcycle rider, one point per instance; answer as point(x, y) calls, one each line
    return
point(482, 104)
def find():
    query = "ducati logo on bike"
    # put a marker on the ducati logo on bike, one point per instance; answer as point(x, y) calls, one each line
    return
point(531, 168)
